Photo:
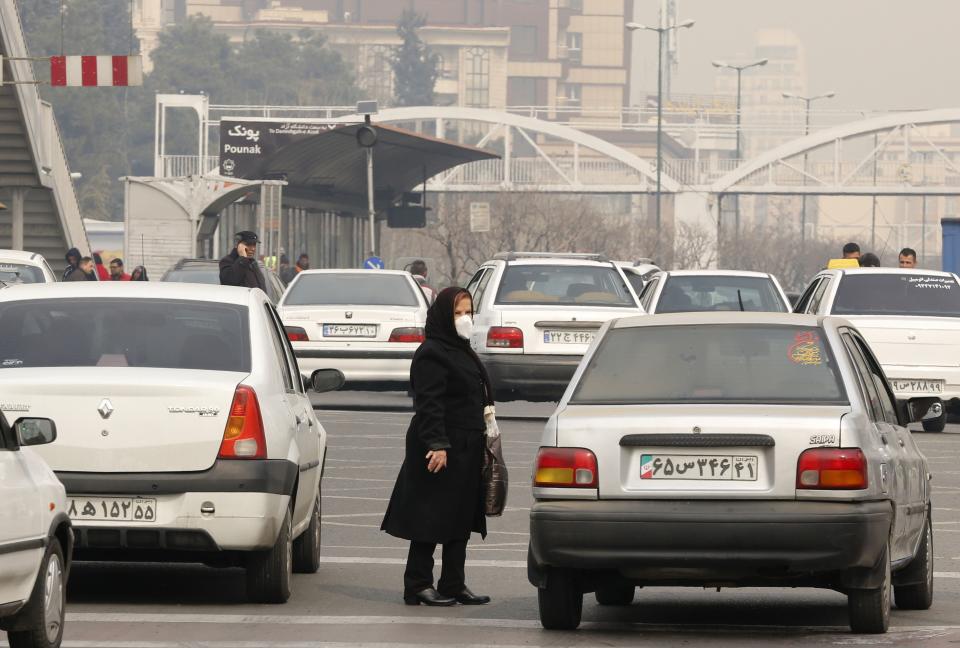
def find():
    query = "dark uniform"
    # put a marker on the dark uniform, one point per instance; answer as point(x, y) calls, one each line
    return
point(242, 271)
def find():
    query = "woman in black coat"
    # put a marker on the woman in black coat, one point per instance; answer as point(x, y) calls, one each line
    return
point(438, 497)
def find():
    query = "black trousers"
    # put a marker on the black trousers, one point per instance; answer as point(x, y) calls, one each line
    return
point(418, 575)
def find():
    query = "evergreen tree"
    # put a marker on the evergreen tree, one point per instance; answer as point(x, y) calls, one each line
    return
point(415, 66)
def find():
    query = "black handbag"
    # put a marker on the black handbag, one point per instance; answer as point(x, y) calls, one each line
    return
point(494, 472)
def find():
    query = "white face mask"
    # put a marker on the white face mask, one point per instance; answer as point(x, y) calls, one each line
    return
point(464, 326)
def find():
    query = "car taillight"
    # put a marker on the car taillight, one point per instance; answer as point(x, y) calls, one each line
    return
point(296, 334)
point(832, 469)
point(407, 334)
point(566, 468)
point(505, 337)
point(243, 437)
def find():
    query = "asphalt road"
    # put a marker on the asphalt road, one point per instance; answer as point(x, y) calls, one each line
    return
point(355, 599)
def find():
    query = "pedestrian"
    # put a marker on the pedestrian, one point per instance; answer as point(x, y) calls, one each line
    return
point(908, 258)
point(303, 263)
point(73, 261)
point(86, 271)
point(116, 271)
point(851, 251)
point(139, 274)
point(240, 268)
point(869, 260)
point(285, 272)
point(419, 271)
point(437, 495)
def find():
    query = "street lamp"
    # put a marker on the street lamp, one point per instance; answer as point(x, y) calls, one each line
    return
point(806, 131)
point(367, 139)
point(661, 32)
point(739, 69)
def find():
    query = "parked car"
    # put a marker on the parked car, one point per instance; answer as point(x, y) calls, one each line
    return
point(536, 314)
point(686, 291)
point(638, 273)
point(768, 451)
point(19, 267)
point(207, 271)
point(366, 324)
point(186, 432)
point(36, 540)
point(911, 319)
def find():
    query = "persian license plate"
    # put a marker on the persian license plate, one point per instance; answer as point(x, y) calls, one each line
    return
point(568, 337)
point(349, 330)
point(917, 385)
point(697, 467)
point(111, 509)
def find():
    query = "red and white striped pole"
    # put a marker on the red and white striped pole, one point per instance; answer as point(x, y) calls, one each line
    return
point(99, 71)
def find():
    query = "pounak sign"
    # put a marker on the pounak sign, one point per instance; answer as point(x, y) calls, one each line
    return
point(246, 145)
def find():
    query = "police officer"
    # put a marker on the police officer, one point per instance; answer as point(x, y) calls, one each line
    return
point(239, 268)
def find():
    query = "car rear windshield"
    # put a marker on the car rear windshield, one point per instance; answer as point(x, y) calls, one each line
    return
point(160, 333)
point(685, 294)
point(198, 274)
point(369, 288)
point(18, 273)
point(753, 364)
point(564, 284)
point(897, 294)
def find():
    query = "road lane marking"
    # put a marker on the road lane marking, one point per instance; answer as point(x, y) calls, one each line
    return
point(377, 526)
point(350, 497)
point(363, 560)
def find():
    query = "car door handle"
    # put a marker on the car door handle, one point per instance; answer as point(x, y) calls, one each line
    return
point(883, 437)
point(297, 418)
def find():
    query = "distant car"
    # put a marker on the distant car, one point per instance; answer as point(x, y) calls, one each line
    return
point(911, 319)
point(638, 273)
point(185, 429)
point(207, 271)
point(767, 450)
point(367, 324)
point(18, 267)
point(536, 314)
point(36, 540)
point(688, 291)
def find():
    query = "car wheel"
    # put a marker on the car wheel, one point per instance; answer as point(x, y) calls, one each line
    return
point(269, 572)
point(937, 424)
point(616, 594)
point(869, 609)
point(44, 614)
point(561, 601)
point(306, 548)
point(919, 595)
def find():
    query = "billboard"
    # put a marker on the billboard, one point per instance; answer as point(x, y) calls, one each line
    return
point(246, 145)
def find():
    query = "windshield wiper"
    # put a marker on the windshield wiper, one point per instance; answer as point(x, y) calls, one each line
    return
point(740, 299)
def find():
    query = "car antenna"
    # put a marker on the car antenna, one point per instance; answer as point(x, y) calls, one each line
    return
point(740, 299)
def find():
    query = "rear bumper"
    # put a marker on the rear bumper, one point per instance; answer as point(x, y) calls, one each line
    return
point(697, 542)
point(531, 374)
point(359, 365)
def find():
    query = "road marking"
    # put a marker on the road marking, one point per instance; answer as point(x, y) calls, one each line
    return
point(946, 574)
point(363, 560)
point(350, 497)
point(377, 526)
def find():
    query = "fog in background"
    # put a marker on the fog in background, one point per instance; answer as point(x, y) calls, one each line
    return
point(887, 54)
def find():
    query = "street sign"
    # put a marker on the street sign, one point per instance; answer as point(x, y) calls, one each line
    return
point(78, 71)
point(373, 263)
point(479, 217)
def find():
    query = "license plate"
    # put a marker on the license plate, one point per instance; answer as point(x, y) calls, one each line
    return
point(349, 330)
point(112, 509)
point(917, 386)
point(697, 467)
point(568, 337)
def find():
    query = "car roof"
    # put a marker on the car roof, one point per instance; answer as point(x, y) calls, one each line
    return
point(716, 273)
point(189, 262)
point(128, 290)
point(891, 271)
point(363, 271)
point(556, 261)
point(20, 256)
point(724, 317)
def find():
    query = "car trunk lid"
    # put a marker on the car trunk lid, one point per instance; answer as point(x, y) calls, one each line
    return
point(911, 341)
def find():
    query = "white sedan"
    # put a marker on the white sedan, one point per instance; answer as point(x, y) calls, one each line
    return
point(19, 267)
point(687, 291)
point(366, 323)
point(185, 430)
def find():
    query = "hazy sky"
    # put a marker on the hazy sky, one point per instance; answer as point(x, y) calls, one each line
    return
point(873, 53)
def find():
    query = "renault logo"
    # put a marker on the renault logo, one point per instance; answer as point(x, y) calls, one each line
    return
point(105, 409)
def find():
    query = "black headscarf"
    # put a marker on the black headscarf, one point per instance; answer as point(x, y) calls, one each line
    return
point(440, 326)
point(143, 274)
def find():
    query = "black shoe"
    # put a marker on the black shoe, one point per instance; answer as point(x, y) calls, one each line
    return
point(466, 597)
point(429, 596)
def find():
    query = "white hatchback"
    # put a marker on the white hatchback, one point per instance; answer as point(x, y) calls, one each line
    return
point(185, 430)
point(19, 267)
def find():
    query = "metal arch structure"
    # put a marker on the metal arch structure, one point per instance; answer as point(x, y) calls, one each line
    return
point(615, 171)
point(888, 168)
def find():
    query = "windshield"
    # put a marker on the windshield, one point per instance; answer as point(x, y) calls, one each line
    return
point(15, 273)
point(897, 294)
point(564, 284)
point(355, 289)
point(156, 333)
point(197, 274)
point(726, 363)
point(685, 294)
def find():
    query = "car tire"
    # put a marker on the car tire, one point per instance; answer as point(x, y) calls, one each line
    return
point(869, 609)
point(269, 572)
point(918, 596)
point(306, 548)
point(561, 601)
point(616, 594)
point(936, 424)
point(44, 615)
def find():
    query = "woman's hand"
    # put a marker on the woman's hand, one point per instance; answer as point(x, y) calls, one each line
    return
point(436, 460)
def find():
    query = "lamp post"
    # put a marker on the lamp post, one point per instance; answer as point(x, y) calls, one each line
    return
point(806, 131)
point(661, 32)
point(739, 69)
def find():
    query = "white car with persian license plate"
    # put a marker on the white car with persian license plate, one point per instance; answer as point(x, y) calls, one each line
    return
point(185, 432)
point(689, 291)
point(36, 540)
point(910, 317)
point(365, 323)
point(19, 267)
point(535, 314)
point(768, 451)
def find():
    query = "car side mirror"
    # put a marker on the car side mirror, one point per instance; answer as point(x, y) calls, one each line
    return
point(35, 431)
point(917, 409)
point(327, 380)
